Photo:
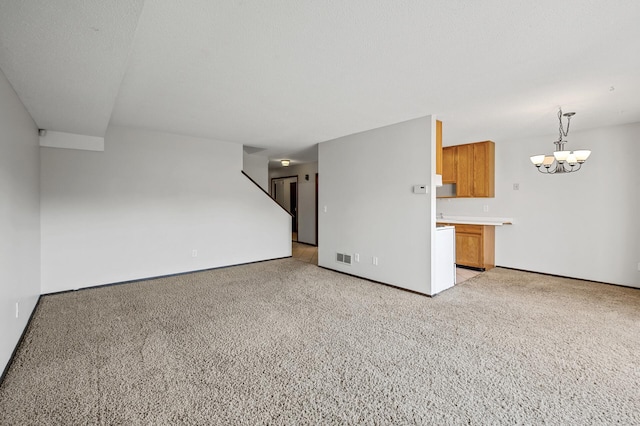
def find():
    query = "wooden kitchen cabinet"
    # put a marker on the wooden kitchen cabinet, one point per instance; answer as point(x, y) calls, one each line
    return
point(439, 147)
point(449, 164)
point(484, 154)
point(464, 173)
point(475, 246)
point(472, 168)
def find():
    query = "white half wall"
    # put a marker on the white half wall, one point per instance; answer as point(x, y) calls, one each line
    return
point(306, 198)
point(257, 167)
point(19, 219)
point(583, 225)
point(151, 204)
point(366, 185)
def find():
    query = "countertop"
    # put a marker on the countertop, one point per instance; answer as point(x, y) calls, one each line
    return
point(466, 220)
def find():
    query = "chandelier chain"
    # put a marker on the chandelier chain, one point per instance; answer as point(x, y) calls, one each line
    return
point(563, 134)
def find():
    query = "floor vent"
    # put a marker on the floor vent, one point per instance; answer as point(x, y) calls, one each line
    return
point(343, 258)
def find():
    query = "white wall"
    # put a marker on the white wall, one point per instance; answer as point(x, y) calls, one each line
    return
point(366, 182)
point(139, 208)
point(19, 218)
point(257, 167)
point(306, 198)
point(583, 225)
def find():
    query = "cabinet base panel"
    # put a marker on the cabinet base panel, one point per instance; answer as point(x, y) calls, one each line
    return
point(475, 268)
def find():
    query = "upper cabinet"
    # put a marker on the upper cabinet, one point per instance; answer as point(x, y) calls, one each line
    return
point(438, 147)
point(484, 157)
point(471, 167)
point(449, 164)
point(464, 175)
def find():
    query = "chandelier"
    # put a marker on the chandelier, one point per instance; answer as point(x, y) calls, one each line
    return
point(561, 161)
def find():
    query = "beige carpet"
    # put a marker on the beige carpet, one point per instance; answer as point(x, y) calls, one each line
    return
point(285, 342)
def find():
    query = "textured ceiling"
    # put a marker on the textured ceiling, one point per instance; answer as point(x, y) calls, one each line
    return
point(66, 58)
point(286, 74)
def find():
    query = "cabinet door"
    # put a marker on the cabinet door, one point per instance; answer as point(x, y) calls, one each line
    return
point(439, 147)
point(464, 177)
point(483, 184)
point(469, 249)
point(449, 164)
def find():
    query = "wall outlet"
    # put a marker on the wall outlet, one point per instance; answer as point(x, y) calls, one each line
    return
point(17, 309)
point(516, 186)
point(194, 253)
point(356, 256)
point(485, 208)
point(324, 209)
point(375, 260)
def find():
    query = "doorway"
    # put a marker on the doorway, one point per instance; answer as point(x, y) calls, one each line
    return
point(284, 190)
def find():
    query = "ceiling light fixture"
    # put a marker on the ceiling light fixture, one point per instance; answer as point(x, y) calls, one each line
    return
point(561, 161)
point(285, 163)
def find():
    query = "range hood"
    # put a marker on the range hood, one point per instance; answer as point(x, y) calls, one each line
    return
point(448, 190)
